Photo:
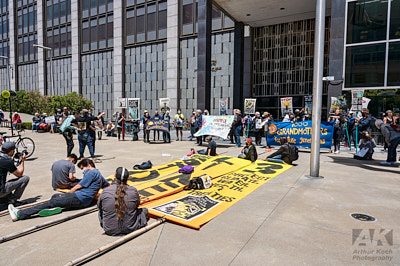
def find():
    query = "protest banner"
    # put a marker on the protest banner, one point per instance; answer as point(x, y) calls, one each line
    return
point(50, 119)
point(299, 133)
point(286, 105)
point(213, 167)
point(164, 105)
point(308, 104)
point(194, 208)
point(160, 125)
point(223, 105)
point(218, 126)
point(250, 106)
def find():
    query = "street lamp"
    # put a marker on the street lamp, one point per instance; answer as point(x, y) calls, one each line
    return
point(51, 64)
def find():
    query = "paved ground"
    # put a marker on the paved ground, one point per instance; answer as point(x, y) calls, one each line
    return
point(291, 220)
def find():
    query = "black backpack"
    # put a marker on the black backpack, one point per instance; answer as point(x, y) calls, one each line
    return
point(294, 152)
point(143, 166)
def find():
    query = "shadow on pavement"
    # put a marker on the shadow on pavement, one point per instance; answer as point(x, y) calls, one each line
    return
point(371, 165)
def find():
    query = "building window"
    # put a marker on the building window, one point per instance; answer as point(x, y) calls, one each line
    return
point(145, 21)
point(4, 31)
point(372, 50)
point(58, 27)
point(27, 31)
point(97, 25)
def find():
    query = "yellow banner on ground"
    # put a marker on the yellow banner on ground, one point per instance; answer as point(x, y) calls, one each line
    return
point(212, 166)
point(194, 208)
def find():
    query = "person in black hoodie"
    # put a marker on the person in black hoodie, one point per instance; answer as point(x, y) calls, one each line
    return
point(283, 154)
point(249, 152)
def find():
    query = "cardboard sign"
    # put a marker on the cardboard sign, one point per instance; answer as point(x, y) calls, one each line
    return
point(50, 119)
point(286, 105)
point(122, 102)
point(250, 106)
point(215, 126)
point(194, 208)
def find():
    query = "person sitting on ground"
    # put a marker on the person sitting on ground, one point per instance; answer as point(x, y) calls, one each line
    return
point(80, 196)
point(63, 173)
point(16, 121)
point(366, 145)
point(110, 129)
point(212, 147)
point(36, 121)
point(283, 154)
point(118, 206)
point(392, 138)
point(43, 125)
point(11, 191)
point(249, 152)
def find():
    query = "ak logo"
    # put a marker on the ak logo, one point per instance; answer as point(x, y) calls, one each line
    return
point(367, 237)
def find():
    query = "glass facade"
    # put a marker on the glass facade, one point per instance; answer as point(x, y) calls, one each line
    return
point(58, 26)
point(97, 24)
point(283, 62)
point(188, 16)
point(372, 44)
point(146, 21)
point(4, 31)
point(27, 30)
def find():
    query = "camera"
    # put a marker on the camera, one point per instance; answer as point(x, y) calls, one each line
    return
point(18, 155)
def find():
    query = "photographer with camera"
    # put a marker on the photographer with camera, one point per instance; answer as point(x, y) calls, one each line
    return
point(12, 190)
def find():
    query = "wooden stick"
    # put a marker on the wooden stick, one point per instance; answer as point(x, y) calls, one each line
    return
point(5, 212)
point(46, 224)
point(114, 244)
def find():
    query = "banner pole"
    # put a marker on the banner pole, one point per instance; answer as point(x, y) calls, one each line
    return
point(123, 126)
point(348, 137)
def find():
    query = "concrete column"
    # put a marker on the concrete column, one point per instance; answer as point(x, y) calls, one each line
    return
point(173, 73)
point(118, 57)
point(204, 55)
point(238, 66)
point(42, 67)
point(13, 45)
point(76, 48)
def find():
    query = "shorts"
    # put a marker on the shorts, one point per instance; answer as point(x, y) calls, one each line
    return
point(178, 128)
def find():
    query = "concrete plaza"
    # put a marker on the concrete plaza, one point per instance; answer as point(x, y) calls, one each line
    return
point(290, 220)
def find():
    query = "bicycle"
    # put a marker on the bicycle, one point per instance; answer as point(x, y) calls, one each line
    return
point(23, 143)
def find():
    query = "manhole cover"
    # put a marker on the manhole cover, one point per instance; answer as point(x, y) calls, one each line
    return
point(363, 217)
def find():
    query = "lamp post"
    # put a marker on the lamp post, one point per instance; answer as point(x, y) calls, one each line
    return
point(51, 64)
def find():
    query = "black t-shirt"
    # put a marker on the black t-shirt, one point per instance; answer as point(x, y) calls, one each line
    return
point(213, 147)
point(84, 123)
point(6, 166)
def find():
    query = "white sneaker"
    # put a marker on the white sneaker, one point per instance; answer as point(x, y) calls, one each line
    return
point(13, 212)
point(336, 152)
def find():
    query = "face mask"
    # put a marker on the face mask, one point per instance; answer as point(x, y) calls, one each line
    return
point(84, 171)
point(179, 112)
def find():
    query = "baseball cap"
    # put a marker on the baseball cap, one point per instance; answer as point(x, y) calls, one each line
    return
point(8, 146)
point(84, 111)
point(249, 140)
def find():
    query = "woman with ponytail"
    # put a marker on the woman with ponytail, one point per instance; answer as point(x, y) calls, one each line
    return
point(118, 206)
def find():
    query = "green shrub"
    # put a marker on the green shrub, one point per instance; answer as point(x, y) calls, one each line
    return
point(26, 125)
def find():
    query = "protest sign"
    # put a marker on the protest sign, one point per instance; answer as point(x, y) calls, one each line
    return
point(133, 106)
point(121, 103)
point(334, 104)
point(299, 133)
point(365, 102)
point(356, 100)
point(250, 106)
point(50, 119)
point(215, 126)
point(160, 125)
point(308, 104)
point(194, 208)
point(286, 105)
point(223, 105)
point(164, 105)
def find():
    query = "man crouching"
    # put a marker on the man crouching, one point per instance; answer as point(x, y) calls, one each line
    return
point(80, 196)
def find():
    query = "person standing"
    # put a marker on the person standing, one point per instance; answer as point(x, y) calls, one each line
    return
point(80, 196)
point(85, 133)
point(120, 124)
point(178, 121)
point(142, 122)
point(192, 129)
point(237, 127)
point(258, 128)
point(146, 120)
point(350, 121)
point(392, 138)
point(232, 134)
point(119, 211)
point(65, 114)
point(363, 124)
point(67, 129)
point(63, 173)
point(265, 124)
point(198, 123)
point(13, 189)
point(156, 117)
point(166, 135)
point(337, 129)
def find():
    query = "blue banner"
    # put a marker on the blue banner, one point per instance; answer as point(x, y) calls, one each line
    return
point(160, 125)
point(299, 133)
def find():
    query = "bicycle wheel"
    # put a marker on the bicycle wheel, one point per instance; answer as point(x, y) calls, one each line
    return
point(26, 144)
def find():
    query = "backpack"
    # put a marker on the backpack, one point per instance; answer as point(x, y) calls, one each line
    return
point(202, 182)
point(294, 152)
point(144, 165)
point(187, 169)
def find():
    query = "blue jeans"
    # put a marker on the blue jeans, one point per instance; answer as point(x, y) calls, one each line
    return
point(276, 159)
point(237, 134)
point(35, 125)
point(85, 139)
point(391, 157)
